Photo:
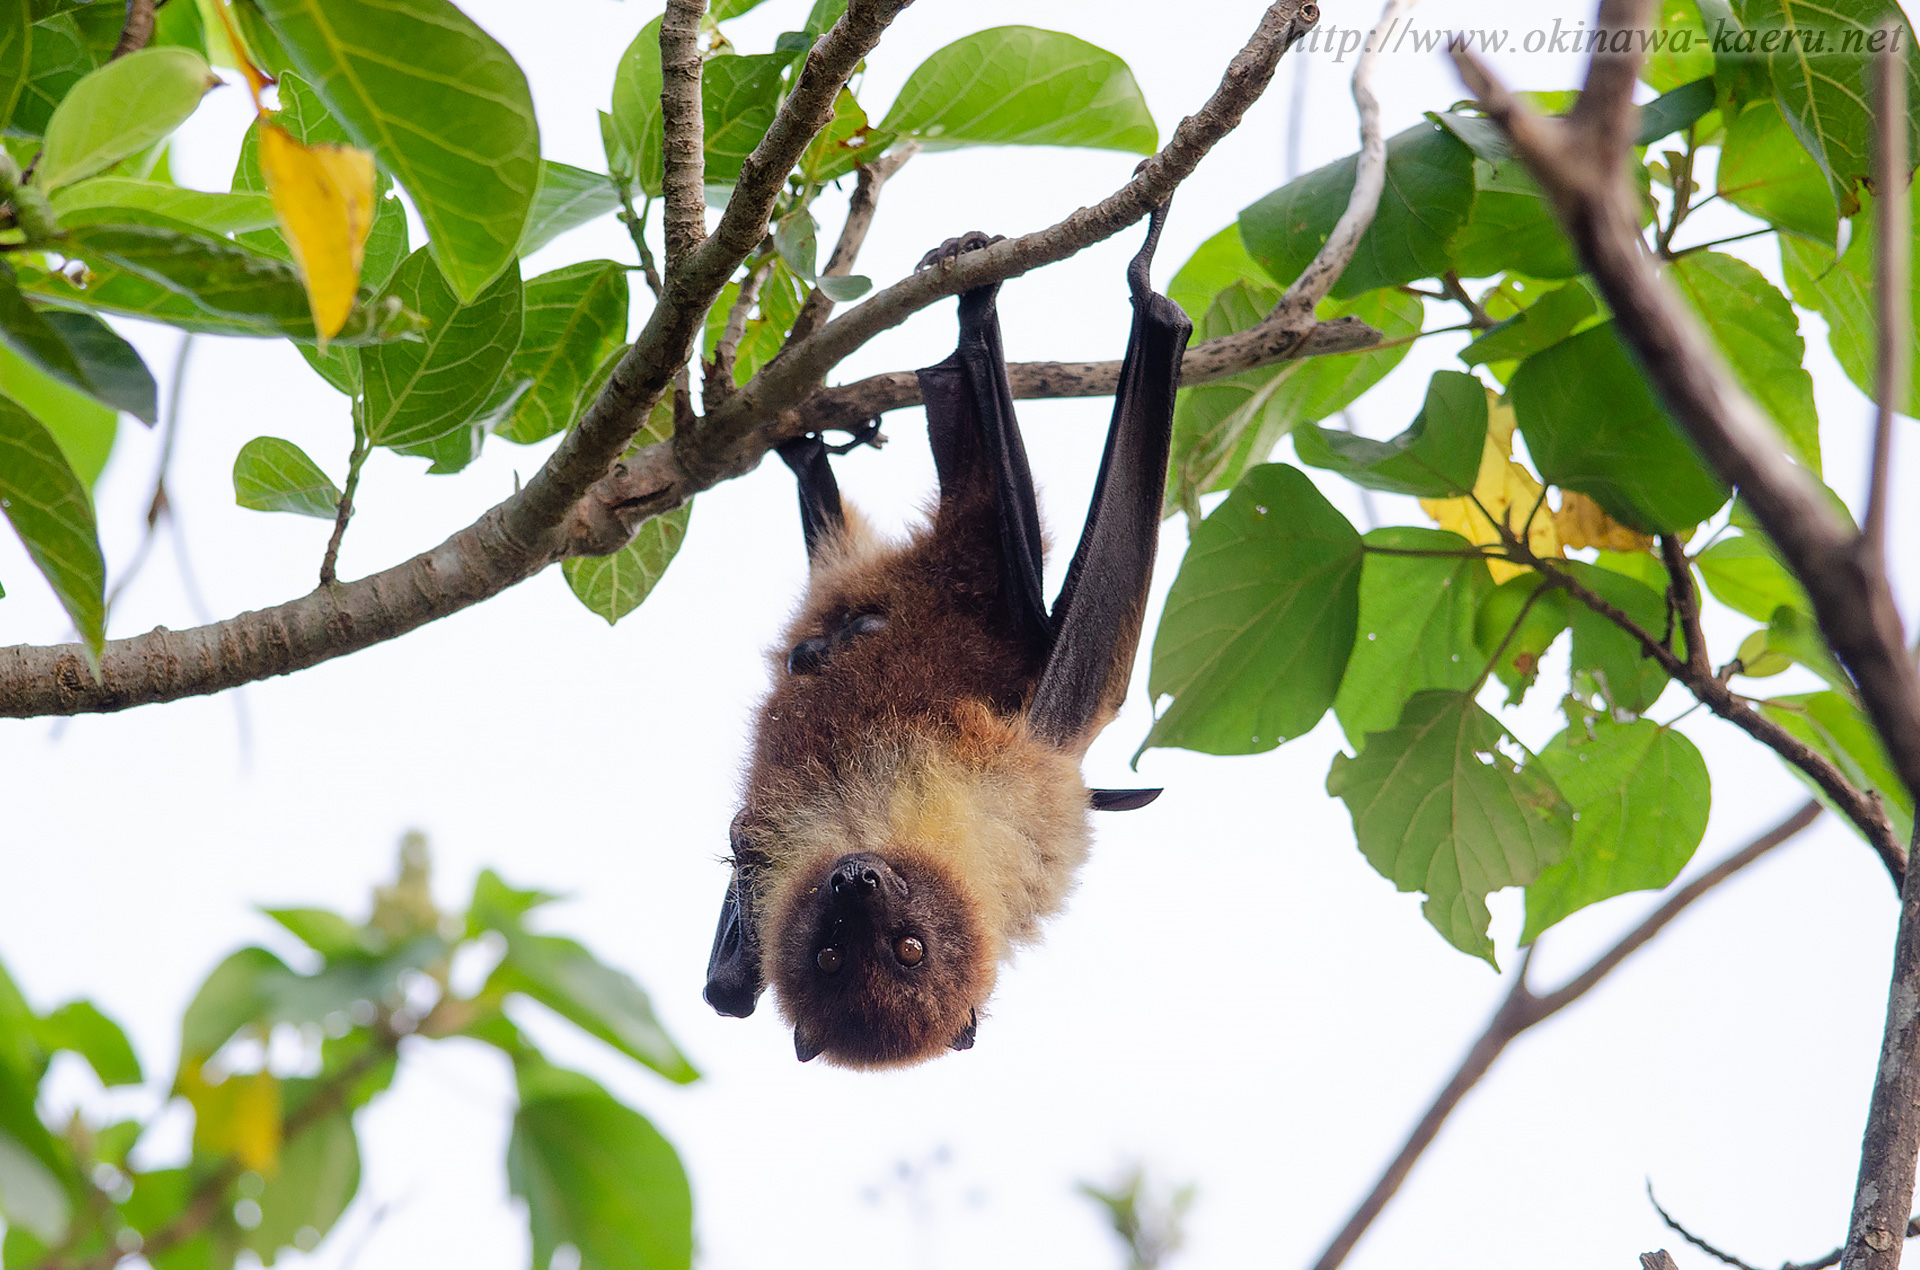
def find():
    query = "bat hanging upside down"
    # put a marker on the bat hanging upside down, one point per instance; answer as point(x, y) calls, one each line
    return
point(914, 807)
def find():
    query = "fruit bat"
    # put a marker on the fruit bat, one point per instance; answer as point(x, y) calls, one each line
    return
point(914, 807)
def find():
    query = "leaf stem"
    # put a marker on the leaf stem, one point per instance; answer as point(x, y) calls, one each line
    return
point(362, 446)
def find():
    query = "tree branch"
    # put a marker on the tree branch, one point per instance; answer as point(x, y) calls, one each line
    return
point(1581, 162)
point(718, 382)
point(1818, 1263)
point(1892, 268)
point(567, 508)
point(138, 29)
point(1523, 1009)
point(684, 128)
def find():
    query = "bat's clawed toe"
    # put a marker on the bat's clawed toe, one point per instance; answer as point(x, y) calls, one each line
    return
point(953, 248)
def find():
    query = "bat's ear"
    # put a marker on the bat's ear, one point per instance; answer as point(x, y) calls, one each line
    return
point(964, 1041)
point(805, 1050)
point(1121, 799)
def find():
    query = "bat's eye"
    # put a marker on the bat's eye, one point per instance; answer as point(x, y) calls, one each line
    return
point(829, 960)
point(909, 950)
point(867, 624)
point(808, 656)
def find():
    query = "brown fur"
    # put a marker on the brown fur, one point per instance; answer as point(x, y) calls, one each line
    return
point(910, 742)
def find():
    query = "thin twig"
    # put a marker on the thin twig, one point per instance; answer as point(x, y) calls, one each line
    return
point(719, 372)
point(158, 506)
point(1523, 1009)
point(636, 223)
point(138, 29)
point(1369, 182)
point(1818, 1263)
point(1685, 598)
point(1892, 265)
point(362, 446)
point(1454, 290)
point(853, 235)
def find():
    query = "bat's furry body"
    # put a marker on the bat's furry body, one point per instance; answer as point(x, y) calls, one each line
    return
point(914, 807)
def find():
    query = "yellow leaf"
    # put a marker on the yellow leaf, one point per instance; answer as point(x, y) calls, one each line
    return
point(1505, 489)
point(239, 1117)
point(1582, 523)
point(324, 198)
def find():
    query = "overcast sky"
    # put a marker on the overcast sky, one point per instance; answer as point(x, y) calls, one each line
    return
point(1234, 997)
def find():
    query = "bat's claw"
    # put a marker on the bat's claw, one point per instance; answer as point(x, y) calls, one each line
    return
point(946, 252)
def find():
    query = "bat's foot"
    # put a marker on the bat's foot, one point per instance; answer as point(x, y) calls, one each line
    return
point(860, 434)
point(947, 251)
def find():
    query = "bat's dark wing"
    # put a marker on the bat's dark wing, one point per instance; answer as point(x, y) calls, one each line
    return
point(1097, 620)
point(734, 981)
point(977, 448)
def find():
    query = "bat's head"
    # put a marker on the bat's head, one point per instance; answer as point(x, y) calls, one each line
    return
point(881, 961)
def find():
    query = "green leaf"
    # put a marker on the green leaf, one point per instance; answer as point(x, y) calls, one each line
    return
point(49, 508)
point(1429, 195)
point(240, 990)
point(1819, 74)
point(1838, 729)
point(724, 9)
point(1527, 624)
point(1757, 329)
point(1674, 111)
point(1765, 170)
point(102, 198)
point(1685, 54)
point(1792, 634)
point(1260, 621)
point(1020, 85)
point(797, 239)
point(216, 278)
point(31, 1196)
point(28, 333)
point(113, 370)
point(16, 53)
point(120, 110)
point(1548, 320)
point(596, 1175)
point(1416, 628)
point(1448, 803)
point(82, 427)
point(1745, 575)
point(58, 59)
point(843, 144)
point(1841, 291)
point(1215, 265)
point(1639, 794)
point(574, 317)
point(636, 122)
point(1512, 228)
point(318, 1175)
point(498, 907)
point(420, 392)
point(614, 586)
point(1592, 424)
point(80, 1027)
point(1438, 456)
point(566, 198)
point(272, 475)
point(603, 1002)
point(845, 287)
point(452, 119)
point(1220, 429)
point(1606, 659)
point(327, 933)
point(738, 98)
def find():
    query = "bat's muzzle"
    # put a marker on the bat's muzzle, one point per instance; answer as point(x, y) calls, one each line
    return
point(865, 878)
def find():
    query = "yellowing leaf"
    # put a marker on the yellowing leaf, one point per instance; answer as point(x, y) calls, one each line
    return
point(1505, 489)
point(240, 1117)
point(1581, 522)
point(324, 197)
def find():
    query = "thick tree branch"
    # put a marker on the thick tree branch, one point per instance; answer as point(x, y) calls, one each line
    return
point(1582, 164)
point(555, 515)
point(684, 128)
point(1523, 1009)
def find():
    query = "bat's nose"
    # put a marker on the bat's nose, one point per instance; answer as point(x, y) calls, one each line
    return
point(863, 877)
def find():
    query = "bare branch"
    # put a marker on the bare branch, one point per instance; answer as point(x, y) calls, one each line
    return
point(1582, 164)
point(1685, 599)
point(138, 29)
point(357, 459)
point(684, 149)
point(719, 378)
point(1523, 1009)
point(1369, 182)
point(853, 236)
point(1263, 345)
point(1818, 1263)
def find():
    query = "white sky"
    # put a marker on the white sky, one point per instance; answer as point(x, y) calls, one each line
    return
point(1234, 998)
